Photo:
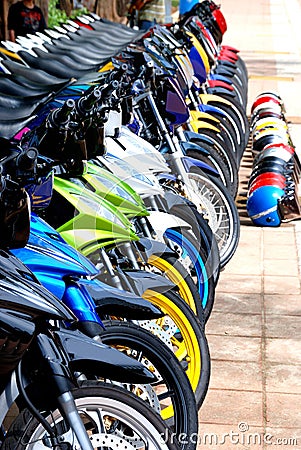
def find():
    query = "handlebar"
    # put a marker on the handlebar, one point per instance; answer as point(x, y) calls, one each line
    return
point(108, 90)
point(26, 161)
point(85, 104)
point(61, 115)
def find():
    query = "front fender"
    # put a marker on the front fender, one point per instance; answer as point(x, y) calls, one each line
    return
point(149, 247)
point(112, 301)
point(224, 71)
point(166, 176)
point(142, 281)
point(220, 91)
point(215, 76)
point(161, 221)
point(186, 146)
point(211, 109)
point(173, 199)
point(219, 84)
point(227, 63)
point(192, 162)
point(89, 356)
point(199, 114)
point(208, 98)
point(192, 136)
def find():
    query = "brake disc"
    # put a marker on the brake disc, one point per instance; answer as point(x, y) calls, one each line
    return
point(163, 328)
point(115, 441)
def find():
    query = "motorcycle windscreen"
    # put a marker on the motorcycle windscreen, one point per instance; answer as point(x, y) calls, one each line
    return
point(14, 218)
point(176, 108)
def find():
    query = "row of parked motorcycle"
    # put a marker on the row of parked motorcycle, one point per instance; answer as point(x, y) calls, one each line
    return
point(273, 184)
point(120, 152)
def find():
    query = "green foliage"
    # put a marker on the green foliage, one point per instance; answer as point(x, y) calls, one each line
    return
point(56, 16)
point(175, 3)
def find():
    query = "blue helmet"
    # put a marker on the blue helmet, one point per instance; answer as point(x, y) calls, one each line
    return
point(262, 206)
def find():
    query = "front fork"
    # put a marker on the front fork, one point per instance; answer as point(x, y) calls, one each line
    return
point(69, 411)
point(55, 359)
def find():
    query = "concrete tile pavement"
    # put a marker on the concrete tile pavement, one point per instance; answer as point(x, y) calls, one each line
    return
point(254, 333)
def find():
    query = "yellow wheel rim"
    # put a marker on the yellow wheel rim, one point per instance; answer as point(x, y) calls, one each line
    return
point(187, 350)
point(174, 275)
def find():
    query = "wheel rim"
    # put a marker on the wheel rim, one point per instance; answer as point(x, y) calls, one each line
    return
point(198, 264)
point(187, 349)
point(219, 215)
point(174, 276)
point(152, 395)
point(107, 422)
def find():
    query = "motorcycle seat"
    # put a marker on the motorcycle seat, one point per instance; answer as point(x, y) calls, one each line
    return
point(9, 128)
point(64, 59)
point(35, 76)
point(55, 68)
point(9, 86)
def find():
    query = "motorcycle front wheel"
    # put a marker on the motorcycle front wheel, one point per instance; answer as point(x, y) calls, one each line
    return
point(171, 395)
point(220, 210)
point(113, 417)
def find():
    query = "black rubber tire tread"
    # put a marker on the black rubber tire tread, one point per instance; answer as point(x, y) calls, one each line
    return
point(241, 124)
point(203, 348)
point(238, 87)
point(215, 161)
point(242, 74)
point(242, 64)
point(162, 358)
point(222, 137)
point(187, 277)
point(232, 122)
point(240, 119)
point(239, 112)
point(222, 141)
point(203, 233)
point(218, 147)
point(226, 252)
point(25, 424)
point(211, 282)
point(227, 128)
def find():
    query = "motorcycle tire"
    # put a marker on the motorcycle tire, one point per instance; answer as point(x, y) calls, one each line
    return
point(173, 390)
point(132, 421)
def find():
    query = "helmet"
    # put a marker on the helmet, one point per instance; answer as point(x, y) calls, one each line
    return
point(264, 99)
point(270, 151)
point(289, 148)
point(266, 107)
point(270, 166)
point(281, 179)
point(220, 20)
point(271, 95)
point(262, 206)
point(269, 122)
point(266, 138)
point(265, 112)
point(260, 182)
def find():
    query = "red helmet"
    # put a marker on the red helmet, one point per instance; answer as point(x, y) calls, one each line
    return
point(259, 182)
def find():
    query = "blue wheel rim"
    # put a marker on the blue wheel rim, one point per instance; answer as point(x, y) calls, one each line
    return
point(196, 259)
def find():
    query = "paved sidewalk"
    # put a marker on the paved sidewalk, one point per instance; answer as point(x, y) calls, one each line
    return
point(254, 333)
